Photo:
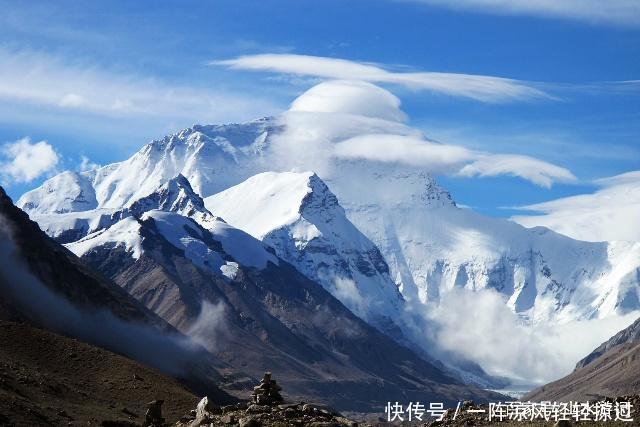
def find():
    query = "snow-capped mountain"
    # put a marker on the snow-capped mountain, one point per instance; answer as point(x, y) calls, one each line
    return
point(230, 292)
point(430, 245)
point(297, 215)
point(179, 215)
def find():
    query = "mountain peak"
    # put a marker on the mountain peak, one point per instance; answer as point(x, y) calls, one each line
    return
point(270, 200)
point(175, 195)
point(319, 197)
point(434, 195)
point(66, 192)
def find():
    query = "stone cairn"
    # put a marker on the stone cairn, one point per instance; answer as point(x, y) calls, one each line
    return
point(267, 392)
point(266, 409)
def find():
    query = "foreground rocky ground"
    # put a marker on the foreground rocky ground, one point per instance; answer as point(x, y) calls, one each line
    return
point(50, 380)
point(267, 408)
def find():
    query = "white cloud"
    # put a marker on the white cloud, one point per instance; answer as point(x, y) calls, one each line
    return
point(405, 149)
point(86, 164)
point(358, 120)
point(347, 291)
point(537, 171)
point(24, 161)
point(475, 324)
point(617, 12)
point(350, 97)
point(56, 83)
point(610, 213)
point(478, 87)
point(209, 326)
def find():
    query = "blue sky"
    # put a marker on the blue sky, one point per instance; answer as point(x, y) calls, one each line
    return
point(584, 55)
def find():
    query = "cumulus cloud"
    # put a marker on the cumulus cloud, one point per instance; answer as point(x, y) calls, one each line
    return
point(478, 87)
point(610, 213)
point(474, 324)
point(617, 12)
point(25, 161)
point(350, 120)
point(70, 86)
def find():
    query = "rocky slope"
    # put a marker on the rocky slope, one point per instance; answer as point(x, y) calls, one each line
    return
point(48, 379)
point(72, 339)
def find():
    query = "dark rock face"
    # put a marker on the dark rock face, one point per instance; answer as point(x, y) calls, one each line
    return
point(62, 272)
point(44, 284)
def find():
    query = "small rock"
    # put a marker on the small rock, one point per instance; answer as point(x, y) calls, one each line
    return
point(153, 416)
point(312, 408)
point(228, 419)
point(291, 413)
point(258, 409)
point(249, 422)
point(205, 411)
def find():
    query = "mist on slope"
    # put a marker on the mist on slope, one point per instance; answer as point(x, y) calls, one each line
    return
point(173, 354)
point(479, 326)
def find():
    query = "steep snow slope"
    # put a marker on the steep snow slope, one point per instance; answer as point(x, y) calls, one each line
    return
point(180, 216)
point(433, 246)
point(297, 215)
point(66, 192)
point(611, 213)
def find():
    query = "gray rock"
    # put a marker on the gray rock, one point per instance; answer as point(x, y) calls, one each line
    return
point(258, 409)
point(249, 422)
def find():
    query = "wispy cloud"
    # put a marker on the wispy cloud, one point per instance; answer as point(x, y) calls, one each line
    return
point(25, 161)
point(610, 213)
point(478, 87)
point(59, 83)
point(612, 12)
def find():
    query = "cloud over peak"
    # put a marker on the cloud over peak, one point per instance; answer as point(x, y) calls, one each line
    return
point(352, 120)
point(350, 97)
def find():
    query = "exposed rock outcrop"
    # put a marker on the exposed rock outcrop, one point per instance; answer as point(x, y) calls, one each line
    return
point(267, 408)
